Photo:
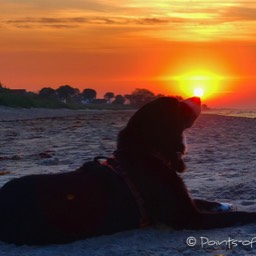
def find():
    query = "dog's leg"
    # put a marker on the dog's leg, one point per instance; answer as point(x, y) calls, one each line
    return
point(220, 220)
point(210, 206)
point(194, 219)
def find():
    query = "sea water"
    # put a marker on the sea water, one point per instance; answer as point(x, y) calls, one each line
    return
point(249, 113)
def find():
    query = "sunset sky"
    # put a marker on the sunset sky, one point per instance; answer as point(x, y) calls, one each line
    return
point(168, 47)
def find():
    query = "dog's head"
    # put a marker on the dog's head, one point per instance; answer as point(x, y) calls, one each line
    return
point(157, 128)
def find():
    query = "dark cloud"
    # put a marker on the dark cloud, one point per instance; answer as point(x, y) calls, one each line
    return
point(47, 20)
point(56, 23)
point(25, 26)
point(78, 21)
point(158, 21)
point(61, 26)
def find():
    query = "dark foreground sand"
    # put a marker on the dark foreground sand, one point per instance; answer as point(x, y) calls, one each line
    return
point(221, 166)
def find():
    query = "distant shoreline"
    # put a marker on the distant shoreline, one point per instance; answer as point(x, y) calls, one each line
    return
point(16, 114)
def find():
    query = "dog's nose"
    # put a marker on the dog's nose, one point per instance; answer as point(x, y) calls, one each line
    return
point(196, 100)
point(195, 104)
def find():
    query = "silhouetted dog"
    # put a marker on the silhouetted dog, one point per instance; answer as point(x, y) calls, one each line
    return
point(139, 186)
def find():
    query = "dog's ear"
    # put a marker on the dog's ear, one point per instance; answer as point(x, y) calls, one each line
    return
point(190, 110)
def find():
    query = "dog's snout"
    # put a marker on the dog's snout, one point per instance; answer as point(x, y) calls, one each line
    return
point(196, 100)
point(195, 104)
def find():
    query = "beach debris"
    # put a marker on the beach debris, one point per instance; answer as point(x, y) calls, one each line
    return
point(49, 161)
point(15, 157)
point(47, 158)
point(4, 172)
point(46, 154)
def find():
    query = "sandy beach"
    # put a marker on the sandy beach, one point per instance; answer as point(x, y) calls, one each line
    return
point(221, 164)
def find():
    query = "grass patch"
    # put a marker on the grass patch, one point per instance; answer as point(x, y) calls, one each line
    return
point(28, 101)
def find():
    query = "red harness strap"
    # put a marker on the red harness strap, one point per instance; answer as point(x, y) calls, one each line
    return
point(115, 167)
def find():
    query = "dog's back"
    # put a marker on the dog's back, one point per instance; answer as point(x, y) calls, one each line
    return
point(59, 208)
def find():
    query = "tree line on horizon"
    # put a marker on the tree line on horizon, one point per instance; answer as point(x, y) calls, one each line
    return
point(68, 96)
point(66, 93)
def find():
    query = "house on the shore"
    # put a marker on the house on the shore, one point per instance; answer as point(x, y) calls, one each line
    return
point(95, 101)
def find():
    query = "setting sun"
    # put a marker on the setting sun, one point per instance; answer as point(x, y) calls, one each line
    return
point(198, 91)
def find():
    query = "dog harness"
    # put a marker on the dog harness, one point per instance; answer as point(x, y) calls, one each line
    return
point(115, 167)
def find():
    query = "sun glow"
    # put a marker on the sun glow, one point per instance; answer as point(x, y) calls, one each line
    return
point(198, 83)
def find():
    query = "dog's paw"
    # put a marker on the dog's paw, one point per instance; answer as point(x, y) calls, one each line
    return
point(224, 207)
